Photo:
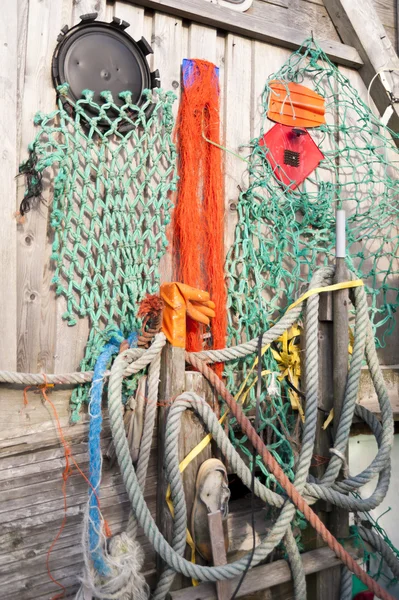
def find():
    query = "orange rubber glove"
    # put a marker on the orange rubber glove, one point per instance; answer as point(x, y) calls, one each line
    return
point(181, 300)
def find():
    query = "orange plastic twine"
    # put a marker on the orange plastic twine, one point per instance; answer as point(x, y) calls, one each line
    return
point(199, 214)
point(68, 471)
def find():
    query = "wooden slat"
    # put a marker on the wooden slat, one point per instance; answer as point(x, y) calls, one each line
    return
point(8, 170)
point(299, 15)
point(247, 25)
point(170, 47)
point(266, 60)
point(263, 577)
point(358, 24)
point(35, 302)
point(23, 11)
point(237, 125)
point(134, 15)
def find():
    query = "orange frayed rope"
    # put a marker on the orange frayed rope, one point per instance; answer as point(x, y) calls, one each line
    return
point(68, 471)
point(199, 214)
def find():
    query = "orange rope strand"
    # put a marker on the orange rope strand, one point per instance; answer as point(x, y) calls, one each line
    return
point(68, 470)
point(199, 214)
point(273, 467)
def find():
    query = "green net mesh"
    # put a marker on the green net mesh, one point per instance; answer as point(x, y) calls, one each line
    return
point(111, 207)
point(114, 169)
point(372, 560)
point(283, 234)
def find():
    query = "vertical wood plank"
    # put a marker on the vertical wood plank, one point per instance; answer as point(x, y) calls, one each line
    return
point(23, 11)
point(237, 126)
point(266, 60)
point(169, 51)
point(170, 47)
point(220, 62)
point(202, 42)
point(134, 15)
point(35, 300)
point(71, 341)
point(84, 7)
point(8, 170)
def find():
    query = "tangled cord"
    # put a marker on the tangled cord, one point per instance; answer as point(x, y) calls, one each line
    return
point(302, 492)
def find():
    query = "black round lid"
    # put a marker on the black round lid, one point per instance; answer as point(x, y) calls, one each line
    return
point(101, 57)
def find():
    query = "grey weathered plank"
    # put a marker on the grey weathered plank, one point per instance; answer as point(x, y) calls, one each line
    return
point(35, 302)
point(8, 171)
point(358, 24)
point(263, 577)
point(250, 26)
point(171, 385)
point(237, 125)
point(301, 15)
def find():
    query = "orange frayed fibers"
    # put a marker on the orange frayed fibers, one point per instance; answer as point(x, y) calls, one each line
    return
point(68, 470)
point(199, 214)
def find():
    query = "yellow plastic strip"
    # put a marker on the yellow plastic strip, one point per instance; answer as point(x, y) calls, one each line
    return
point(285, 341)
point(328, 288)
point(189, 539)
point(329, 419)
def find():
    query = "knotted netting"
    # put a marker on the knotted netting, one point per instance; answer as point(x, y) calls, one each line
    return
point(283, 234)
point(114, 167)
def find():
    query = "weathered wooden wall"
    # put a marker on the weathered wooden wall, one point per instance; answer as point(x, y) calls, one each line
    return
point(33, 336)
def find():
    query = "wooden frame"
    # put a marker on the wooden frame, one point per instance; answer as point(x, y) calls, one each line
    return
point(264, 576)
point(207, 13)
point(358, 23)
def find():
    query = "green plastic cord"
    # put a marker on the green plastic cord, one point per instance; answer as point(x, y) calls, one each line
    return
point(283, 234)
point(110, 209)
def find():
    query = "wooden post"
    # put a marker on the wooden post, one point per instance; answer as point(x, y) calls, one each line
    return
point(333, 370)
point(191, 433)
point(174, 381)
point(339, 521)
point(215, 524)
point(358, 24)
point(171, 385)
point(326, 583)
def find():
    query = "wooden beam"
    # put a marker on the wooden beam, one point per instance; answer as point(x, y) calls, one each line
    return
point(339, 517)
point(216, 533)
point(324, 583)
point(251, 26)
point(8, 170)
point(171, 385)
point(263, 577)
point(358, 24)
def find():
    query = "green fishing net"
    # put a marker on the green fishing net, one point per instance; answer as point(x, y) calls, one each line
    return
point(282, 235)
point(113, 170)
point(372, 560)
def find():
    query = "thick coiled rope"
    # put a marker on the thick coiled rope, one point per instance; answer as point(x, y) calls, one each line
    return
point(173, 554)
point(302, 492)
point(124, 559)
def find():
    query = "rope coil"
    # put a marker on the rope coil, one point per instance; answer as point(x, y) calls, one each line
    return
point(302, 491)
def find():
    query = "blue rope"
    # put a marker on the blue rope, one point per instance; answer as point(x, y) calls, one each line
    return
point(95, 427)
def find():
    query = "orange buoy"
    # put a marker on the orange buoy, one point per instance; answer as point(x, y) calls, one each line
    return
point(295, 105)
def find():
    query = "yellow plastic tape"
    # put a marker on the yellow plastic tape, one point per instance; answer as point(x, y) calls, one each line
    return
point(289, 363)
point(328, 288)
point(329, 419)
